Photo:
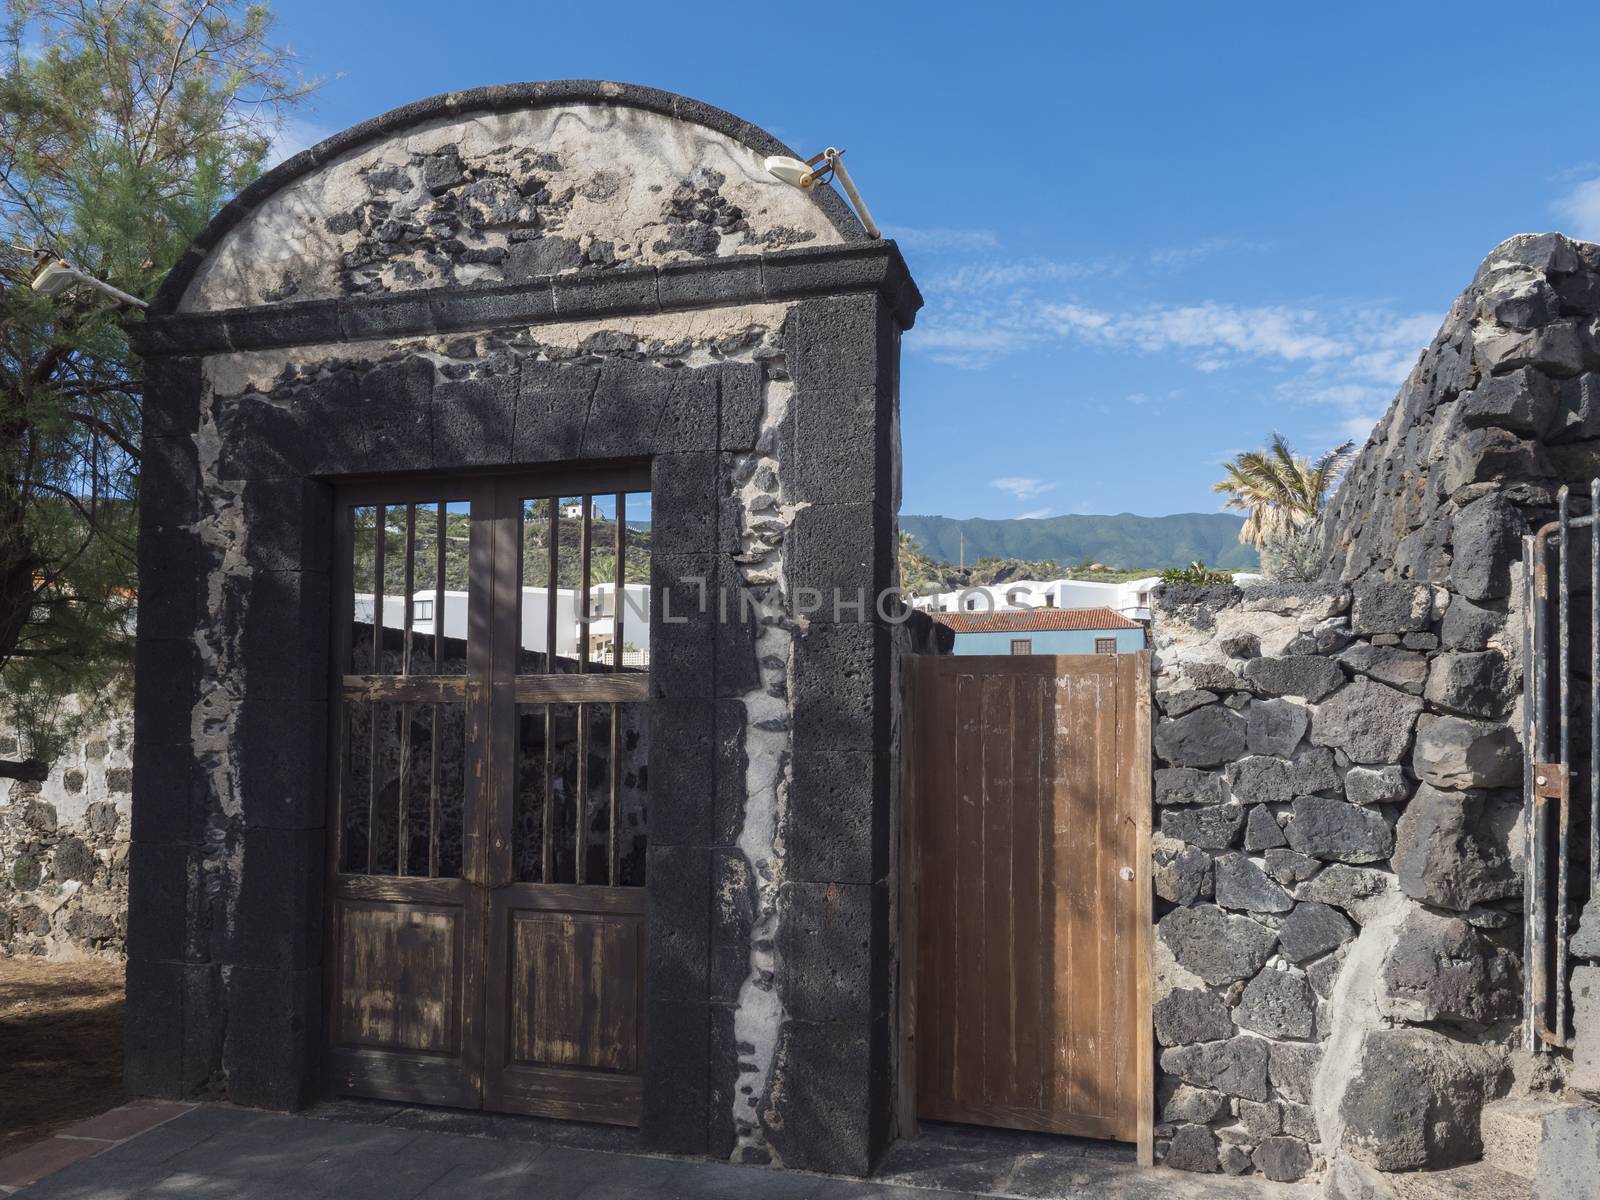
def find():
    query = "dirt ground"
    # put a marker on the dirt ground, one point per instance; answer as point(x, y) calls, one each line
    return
point(60, 1045)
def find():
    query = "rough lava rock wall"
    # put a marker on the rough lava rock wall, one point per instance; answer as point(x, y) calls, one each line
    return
point(64, 850)
point(1336, 871)
point(1501, 409)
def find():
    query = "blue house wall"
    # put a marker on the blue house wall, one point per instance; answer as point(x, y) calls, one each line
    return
point(1052, 641)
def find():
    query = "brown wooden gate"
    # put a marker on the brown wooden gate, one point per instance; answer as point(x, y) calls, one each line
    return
point(1027, 893)
point(486, 911)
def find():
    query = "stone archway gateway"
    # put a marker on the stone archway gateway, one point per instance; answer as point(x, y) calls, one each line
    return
point(393, 393)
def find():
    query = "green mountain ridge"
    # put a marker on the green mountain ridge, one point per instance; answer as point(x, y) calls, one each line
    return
point(1120, 540)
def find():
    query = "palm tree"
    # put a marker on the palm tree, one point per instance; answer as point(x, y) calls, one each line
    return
point(1279, 490)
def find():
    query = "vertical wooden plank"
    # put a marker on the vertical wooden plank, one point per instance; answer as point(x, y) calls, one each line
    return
point(435, 774)
point(998, 971)
point(379, 535)
point(618, 599)
point(504, 622)
point(548, 821)
point(584, 535)
point(906, 864)
point(402, 854)
point(614, 808)
point(581, 804)
point(1030, 956)
point(966, 1027)
point(1136, 707)
point(1108, 943)
point(552, 581)
point(341, 656)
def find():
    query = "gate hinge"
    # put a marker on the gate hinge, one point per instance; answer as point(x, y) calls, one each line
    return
point(1550, 781)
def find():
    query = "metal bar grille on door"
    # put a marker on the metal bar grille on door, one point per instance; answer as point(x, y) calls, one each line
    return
point(1561, 786)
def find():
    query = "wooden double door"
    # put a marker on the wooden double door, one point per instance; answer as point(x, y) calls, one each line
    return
point(1027, 893)
point(488, 790)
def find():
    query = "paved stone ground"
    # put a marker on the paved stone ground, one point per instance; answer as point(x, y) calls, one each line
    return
point(352, 1151)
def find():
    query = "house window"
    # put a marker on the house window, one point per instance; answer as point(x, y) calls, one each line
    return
point(1105, 645)
point(422, 610)
point(1022, 645)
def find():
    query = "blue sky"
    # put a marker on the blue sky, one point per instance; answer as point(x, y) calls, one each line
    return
point(1147, 236)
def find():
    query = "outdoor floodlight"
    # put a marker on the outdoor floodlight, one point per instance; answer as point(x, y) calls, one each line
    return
point(58, 277)
point(819, 168)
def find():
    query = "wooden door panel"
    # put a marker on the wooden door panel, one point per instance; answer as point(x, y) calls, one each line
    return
point(1029, 778)
point(450, 978)
point(402, 1022)
point(564, 1040)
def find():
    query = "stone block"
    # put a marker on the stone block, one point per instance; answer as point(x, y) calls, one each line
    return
point(1449, 853)
point(1185, 785)
point(1262, 832)
point(1390, 607)
point(1214, 945)
point(1240, 884)
point(1260, 779)
point(844, 450)
point(677, 1049)
point(1336, 830)
point(1278, 1004)
point(1192, 1015)
point(682, 782)
point(743, 396)
point(1207, 737)
point(837, 827)
point(395, 403)
point(1458, 753)
point(1523, 401)
point(281, 749)
point(1292, 1068)
point(678, 924)
point(1306, 675)
point(1197, 1105)
point(275, 923)
point(830, 1107)
point(840, 343)
point(1440, 968)
point(625, 410)
point(1283, 1159)
point(287, 524)
point(474, 421)
point(732, 917)
point(1182, 874)
point(283, 637)
point(553, 402)
point(1568, 1152)
point(1474, 683)
point(1403, 669)
point(174, 1027)
point(689, 418)
point(1415, 1099)
point(841, 688)
point(843, 553)
point(1236, 1066)
point(1312, 930)
point(1275, 727)
point(832, 942)
point(1585, 1073)
point(273, 1044)
point(684, 492)
point(1467, 626)
point(1376, 785)
point(1214, 827)
point(1370, 722)
point(1485, 539)
point(1193, 1148)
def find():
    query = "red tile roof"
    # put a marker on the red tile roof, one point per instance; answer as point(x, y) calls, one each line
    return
point(1035, 620)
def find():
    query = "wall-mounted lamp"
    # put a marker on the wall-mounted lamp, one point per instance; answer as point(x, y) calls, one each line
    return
point(819, 168)
point(58, 277)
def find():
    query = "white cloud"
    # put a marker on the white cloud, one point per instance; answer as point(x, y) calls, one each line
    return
point(938, 239)
point(1020, 487)
point(1580, 209)
point(1034, 514)
point(292, 135)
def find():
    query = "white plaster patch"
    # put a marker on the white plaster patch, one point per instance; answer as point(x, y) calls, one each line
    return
point(606, 172)
point(243, 371)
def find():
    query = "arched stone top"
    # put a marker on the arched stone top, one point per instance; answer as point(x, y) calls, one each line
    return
point(498, 185)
